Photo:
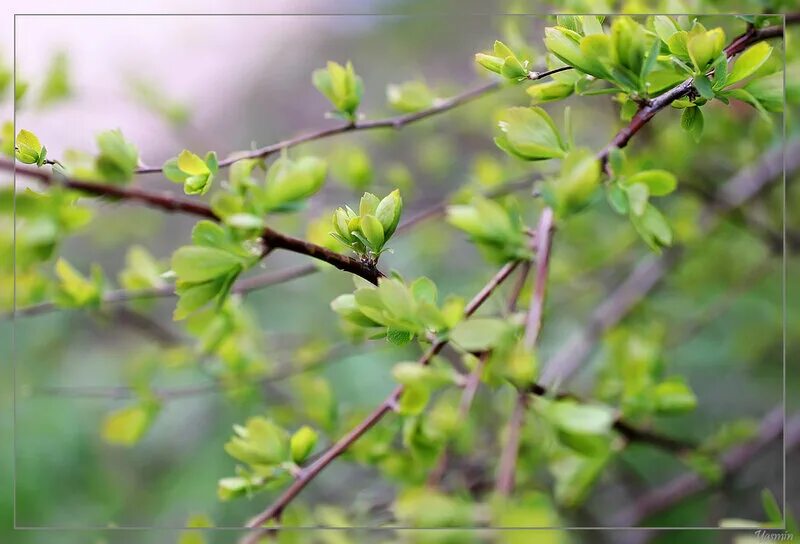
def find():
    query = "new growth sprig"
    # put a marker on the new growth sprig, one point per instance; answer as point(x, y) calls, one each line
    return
point(367, 231)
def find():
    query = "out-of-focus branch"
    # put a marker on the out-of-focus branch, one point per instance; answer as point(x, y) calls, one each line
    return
point(310, 472)
point(675, 491)
point(744, 186)
point(533, 326)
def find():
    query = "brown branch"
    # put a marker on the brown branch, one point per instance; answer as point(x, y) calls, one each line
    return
point(310, 472)
point(167, 202)
point(652, 107)
point(675, 491)
point(269, 278)
point(533, 326)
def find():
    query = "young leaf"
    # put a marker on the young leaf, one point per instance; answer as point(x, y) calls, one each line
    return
point(748, 62)
point(478, 334)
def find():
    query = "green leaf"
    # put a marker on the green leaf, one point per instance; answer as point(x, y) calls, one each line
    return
point(577, 182)
point(126, 426)
point(372, 230)
point(302, 443)
point(194, 296)
point(259, 442)
point(29, 148)
point(478, 334)
point(200, 264)
point(674, 396)
point(289, 182)
point(413, 400)
point(638, 195)
point(771, 508)
point(173, 172)
point(341, 86)
point(398, 337)
point(195, 537)
point(75, 290)
point(653, 228)
point(530, 134)
point(409, 97)
point(56, 86)
point(191, 164)
point(665, 27)
point(388, 212)
point(573, 417)
point(748, 62)
point(549, 91)
point(703, 86)
point(692, 122)
point(424, 290)
point(658, 182)
point(118, 158)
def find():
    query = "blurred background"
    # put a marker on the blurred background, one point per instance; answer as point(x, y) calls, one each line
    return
point(226, 83)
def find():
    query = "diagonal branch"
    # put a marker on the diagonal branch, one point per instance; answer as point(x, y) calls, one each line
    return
point(396, 122)
point(310, 472)
point(675, 491)
point(167, 202)
point(533, 326)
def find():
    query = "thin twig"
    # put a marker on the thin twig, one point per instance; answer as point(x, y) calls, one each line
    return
point(276, 277)
point(395, 122)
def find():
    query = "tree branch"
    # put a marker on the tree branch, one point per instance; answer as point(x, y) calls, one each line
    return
point(747, 184)
point(508, 457)
point(310, 472)
point(167, 202)
point(652, 107)
point(687, 485)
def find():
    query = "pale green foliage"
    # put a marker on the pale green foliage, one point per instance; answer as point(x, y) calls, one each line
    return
point(29, 149)
point(367, 231)
point(529, 134)
point(57, 86)
point(269, 452)
point(341, 86)
point(398, 311)
point(196, 174)
point(410, 97)
point(127, 426)
point(503, 61)
point(497, 230)
point(206, 270)
point(117, 159)
point(352, 166)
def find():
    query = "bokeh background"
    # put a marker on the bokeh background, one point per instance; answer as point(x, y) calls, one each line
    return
point(227, 82)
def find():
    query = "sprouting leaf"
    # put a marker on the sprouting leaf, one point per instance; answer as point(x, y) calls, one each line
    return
point(692, 122)
point(302, 443)
point(117, 159)
point(341, 86)
point(529, 134)
point(674, 396)
point(199, 264)
point(289, 182)
point(29, 149)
